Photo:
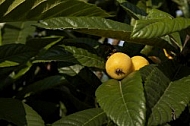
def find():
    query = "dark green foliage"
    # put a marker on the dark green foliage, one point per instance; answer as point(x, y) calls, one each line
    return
point(53, 54)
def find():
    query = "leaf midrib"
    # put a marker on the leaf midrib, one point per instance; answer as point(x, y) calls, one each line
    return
point(157, 103)
point(125, 104)
point(93, 118)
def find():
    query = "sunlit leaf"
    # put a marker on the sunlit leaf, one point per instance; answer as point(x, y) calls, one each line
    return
point(158, 14)
point(152, 28)
point(100, 27)
point(42, 9)
point(93, 25)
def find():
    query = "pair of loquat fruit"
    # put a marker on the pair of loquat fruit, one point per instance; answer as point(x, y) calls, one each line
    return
point(119, 65)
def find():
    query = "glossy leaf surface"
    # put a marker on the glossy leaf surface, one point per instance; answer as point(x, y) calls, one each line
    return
point(133, 10)
point(72, 54)
point(100, 27)
point(165, 99)
point(153, 28)
point(15, 54)
point(43, 9)
point(89, 117)
point(123, 101)
point(32, 117)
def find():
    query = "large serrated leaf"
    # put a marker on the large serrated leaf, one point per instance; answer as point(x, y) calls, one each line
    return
point(155, 84)
point(72, 54)
point(165, 99)
point(15, 54)
point(89, 117)
point(85, 58)
point(93, 25)
point(152, 28)
point(172, 103)
point(100, 27)
point(42, 9)
point(19, 113)
point(17, 32)
point(123, 101)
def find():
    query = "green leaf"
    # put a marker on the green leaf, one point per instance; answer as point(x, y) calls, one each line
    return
point(123, 101)
point(43, 9)
point(165, 99)
point(41, 85)
point(155, 84)
point(9, 76)
point(133, 10)
point(32, 117)
point(152, 28)
point(89, 117)
point(17, 32)
point(71, 70)
point(72, 54)
point(15, 54)
point(158, 14)
point(85, 58)
point(19, 113)
point(100, 27)
point(21, 70)
point(12, 110)
point(176, 39)
point(43, 43)
point(81, 74)
point(92, 25)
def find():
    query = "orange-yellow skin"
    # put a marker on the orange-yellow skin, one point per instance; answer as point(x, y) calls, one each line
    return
point(118, 65)
point(139, 62)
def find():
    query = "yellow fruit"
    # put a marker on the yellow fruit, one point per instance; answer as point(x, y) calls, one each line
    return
point(118, 65)
point(139, 62)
